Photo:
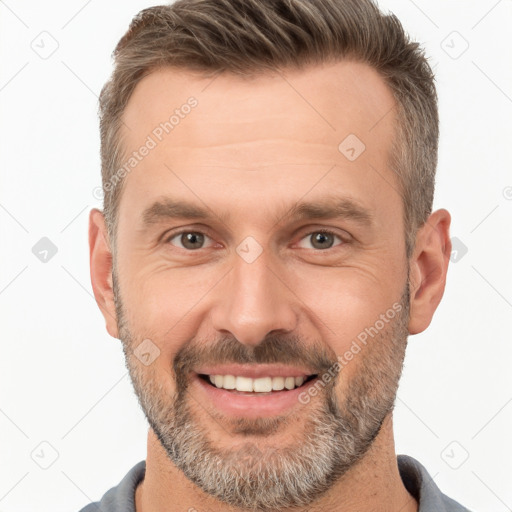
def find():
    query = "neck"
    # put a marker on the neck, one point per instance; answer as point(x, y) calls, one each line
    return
point(374, 483)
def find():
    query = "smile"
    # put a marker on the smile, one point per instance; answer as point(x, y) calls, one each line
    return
point(252, 390)
point(256, 386)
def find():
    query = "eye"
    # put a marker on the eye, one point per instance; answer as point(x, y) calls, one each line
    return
point(190, 240)
point(319, 240)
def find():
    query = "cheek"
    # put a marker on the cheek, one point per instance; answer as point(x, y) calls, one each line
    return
point(165, 305)
point(342, 303)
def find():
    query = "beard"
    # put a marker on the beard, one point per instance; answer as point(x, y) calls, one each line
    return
point(253, 474)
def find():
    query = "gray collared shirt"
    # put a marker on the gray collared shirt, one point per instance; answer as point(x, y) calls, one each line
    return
point(415, 477)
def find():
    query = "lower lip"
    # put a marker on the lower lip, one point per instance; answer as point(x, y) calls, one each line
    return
point(254, 405)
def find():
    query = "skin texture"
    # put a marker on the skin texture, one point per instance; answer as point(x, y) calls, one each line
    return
point(248, 152)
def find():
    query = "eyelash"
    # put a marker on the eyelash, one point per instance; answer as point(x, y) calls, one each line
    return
point(322, 231)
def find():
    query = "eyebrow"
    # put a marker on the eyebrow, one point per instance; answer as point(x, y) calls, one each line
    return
point(343, 208)
point(330, 208)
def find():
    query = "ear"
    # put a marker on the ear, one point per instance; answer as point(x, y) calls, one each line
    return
point(428, 269)
point(101, 269)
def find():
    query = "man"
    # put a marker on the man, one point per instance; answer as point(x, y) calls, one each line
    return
point(266, 246)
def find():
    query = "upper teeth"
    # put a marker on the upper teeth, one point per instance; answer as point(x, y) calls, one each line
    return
point(260, 385)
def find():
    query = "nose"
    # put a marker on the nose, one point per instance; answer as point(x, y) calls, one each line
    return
point(253, 302)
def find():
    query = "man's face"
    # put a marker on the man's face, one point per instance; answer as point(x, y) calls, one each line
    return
point(299, 252)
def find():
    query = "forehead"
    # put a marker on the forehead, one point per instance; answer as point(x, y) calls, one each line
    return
point(318, 104)
point(288, 127)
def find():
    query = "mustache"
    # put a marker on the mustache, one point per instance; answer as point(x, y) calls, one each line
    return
point(283, 349)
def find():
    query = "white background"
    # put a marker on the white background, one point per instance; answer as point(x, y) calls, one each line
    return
point(63, 379)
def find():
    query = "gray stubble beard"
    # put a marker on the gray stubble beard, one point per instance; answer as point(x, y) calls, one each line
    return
point(257, 476)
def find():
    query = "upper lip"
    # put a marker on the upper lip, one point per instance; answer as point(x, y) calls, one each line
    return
point(255, 371)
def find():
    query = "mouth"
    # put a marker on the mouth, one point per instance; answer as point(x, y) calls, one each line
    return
point(253, 391)
point(261, 386)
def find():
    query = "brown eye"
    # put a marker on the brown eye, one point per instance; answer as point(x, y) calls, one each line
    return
point(322, 240)
point(189, 240)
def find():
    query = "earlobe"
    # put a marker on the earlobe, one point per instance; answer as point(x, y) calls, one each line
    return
point(101, 269)
point(428, 269)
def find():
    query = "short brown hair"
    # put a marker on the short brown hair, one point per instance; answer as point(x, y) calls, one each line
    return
point(253, 36)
